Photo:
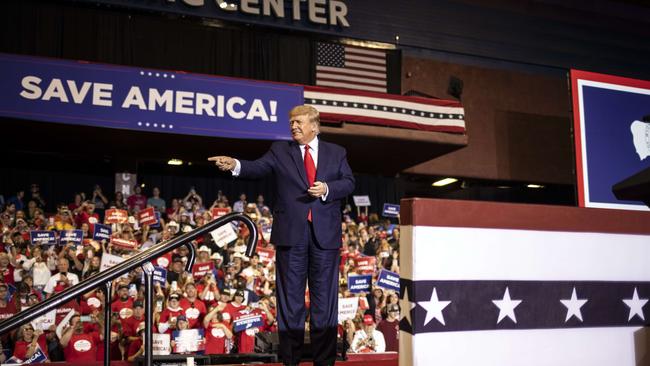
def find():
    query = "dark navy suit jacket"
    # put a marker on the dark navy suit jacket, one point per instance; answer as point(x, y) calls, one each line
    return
point(292, 202)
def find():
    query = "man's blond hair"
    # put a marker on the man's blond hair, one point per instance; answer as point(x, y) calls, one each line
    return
point(310, 111)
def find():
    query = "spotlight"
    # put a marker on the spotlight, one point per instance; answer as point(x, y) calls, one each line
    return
point(175, 162)
point(444, 182)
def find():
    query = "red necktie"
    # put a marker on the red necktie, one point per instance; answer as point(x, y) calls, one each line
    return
point(310, 168)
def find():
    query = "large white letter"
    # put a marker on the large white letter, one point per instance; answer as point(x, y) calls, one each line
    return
point(78, 96)
point(276, 5)
point(134, 98)
point(31, 88)
point(204, 103)
point(317, 11)
point(338, 11)
point(184, 102)
point(257, 110)
point(55, 90)
point(249, 6)
point(165, 100)
point(101, 91)
point(230, 104)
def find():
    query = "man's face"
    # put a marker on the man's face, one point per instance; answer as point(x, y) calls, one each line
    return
point(63, 265)
point(191, 291)
point(123, 293)
point(302, 129)
point(156, 191)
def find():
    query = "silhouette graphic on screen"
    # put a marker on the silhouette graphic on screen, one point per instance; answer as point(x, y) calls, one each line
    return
point(641, 137)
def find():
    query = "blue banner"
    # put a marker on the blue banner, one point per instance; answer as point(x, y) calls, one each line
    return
point(42, 237)
point(37, 357)
point(388, 280)
point(99, 95)
point(74, 236)
point(247, 322)
point(159, 276)
point(102, 232)
point(390, 210)
point(359, 283)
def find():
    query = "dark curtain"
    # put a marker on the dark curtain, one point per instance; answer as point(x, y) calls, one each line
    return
point(127, 37)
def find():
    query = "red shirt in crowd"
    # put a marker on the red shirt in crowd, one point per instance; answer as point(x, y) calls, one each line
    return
point(169, 315)
point(124, 308)
point(64, 309)
point(215, 339)
point(194, 311)
point(390, 330)
point(8, 274)
point(137, 200)
point(82, 347)
point(20, 348)
point(130, 326)
point(134, 347)
point(246, 339)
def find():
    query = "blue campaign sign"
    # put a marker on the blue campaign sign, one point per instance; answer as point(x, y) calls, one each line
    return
point(388, 280)
point(37, 357)
point(71, 236)
point(612, 124)
point(42, 237)
point(102, 232)
point(100, 95)
point(159, 276)
point(359, 283)
point(246, 322)
point(390, 210)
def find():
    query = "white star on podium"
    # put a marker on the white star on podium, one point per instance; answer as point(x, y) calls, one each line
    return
point(406, 306)
point(506, 307)
point(573, 306)
point(434, 308)
point(636, 306)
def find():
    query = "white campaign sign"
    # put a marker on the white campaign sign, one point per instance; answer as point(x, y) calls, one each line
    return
point(161, 344)
point(361, 201)
point(223, 235)
point(348, 308)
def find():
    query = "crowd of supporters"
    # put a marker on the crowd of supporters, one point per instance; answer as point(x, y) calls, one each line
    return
point(223, 287)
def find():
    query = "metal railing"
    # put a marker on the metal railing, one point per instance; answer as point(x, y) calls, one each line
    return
point(104, 279)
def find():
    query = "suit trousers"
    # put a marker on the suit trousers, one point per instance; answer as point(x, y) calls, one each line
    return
point(296, 265)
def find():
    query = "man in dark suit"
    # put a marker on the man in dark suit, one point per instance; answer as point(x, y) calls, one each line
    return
point(311, 178)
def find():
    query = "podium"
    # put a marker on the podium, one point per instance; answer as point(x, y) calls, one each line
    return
point(486, 283)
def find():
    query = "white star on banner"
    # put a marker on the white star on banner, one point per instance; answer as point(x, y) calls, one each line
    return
point(434, 308)
point(636, 306)
point(573, 306)
point(406, 306)
point(506, 307)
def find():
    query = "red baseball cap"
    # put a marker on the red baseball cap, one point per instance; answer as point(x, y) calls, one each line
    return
point(368, 320)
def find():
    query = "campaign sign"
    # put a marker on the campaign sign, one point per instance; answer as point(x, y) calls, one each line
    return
point(359, 283)
point(147, 216)
point(247, 321)
point(37, 357)
point(116, 216)
point(223, 235)
point(155, 225)
point(348, 308)
point(361, 201)
point(188, 340)
point(266, 255)
point(71, 236)
point(124, 243)
point(390, 210)
point(102, 232)
point(219, 211)
point(365, 264)
point(200, 269)
point(388, 280)
point(159, 276)
point(612, 125)
point(42, 237)
point(109, 260)
point(135, 98)
point(45, 321)
point(161, 344)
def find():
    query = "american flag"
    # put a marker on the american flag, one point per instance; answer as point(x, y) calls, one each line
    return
point(351, 67)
